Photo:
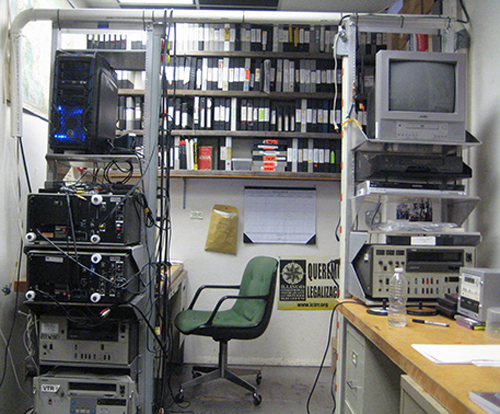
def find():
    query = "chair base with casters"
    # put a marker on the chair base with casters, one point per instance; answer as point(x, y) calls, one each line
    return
point(248, 318)
point(222, 371)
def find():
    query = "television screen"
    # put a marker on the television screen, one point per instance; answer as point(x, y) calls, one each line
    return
point(422, 86)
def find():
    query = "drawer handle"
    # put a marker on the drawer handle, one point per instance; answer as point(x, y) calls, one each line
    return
point(351, 385)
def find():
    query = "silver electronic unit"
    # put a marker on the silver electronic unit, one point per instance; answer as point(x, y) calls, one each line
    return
point(479, 290)
point(409, 189)
point(87, 342)
point(431, 271)
point(63, 393)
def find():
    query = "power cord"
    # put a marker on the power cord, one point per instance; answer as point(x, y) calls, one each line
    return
point(330, 329)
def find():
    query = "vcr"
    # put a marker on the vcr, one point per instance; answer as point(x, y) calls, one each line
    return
point(92, 342)
point(90, 218)
point(75, 392)
point(431, 271)
point(370, 166)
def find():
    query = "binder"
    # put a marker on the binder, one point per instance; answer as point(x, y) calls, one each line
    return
point(243, 115)
point(199, 75)
point(225, 74)
point(196, 112)
point(234, 114)
point(189, 154)
point(267, 114)
point(273, 119)
point(258, 82)
point(261, 120)
point(286, 118)
point(255, 115)
point(182, 155)
point(190, 73)
point(250, 124)
point(266, 81)
point(226, 113)
point(186, 116)
point(201, 36)
point(209, 113)
point(279, 120)
point(216, 113)
point(231, 74)
point(206, 74)
point(202, 113)
point(279, 75)
point(225, 154)
point(227, 38)
point(247, 69)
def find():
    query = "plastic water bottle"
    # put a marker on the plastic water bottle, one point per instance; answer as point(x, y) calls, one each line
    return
point(398, 295)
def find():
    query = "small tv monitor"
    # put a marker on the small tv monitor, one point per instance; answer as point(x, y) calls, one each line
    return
point(419, 97)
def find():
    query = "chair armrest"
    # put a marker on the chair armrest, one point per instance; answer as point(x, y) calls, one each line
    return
point(201, 288)
point(224, 298)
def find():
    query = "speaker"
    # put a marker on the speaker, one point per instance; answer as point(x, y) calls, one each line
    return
point(84, 103)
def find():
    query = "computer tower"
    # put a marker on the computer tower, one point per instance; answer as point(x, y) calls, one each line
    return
point(84, 103)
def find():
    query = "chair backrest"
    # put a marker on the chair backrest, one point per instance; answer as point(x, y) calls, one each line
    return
point(259, 278)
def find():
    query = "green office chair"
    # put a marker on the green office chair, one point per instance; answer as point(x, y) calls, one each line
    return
point(246, 319)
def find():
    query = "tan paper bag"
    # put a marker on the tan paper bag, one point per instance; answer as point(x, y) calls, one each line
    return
point(223, 230)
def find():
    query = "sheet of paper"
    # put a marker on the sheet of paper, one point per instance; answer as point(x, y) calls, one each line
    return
point(280, 215)
point(460, 354)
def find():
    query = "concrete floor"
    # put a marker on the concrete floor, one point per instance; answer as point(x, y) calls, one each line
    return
point(284, 390)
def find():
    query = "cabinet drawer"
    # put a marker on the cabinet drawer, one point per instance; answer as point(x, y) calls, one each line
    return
point(372, 380)
point(415, 400)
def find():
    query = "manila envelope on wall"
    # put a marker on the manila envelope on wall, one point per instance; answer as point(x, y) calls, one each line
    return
point(223, 230)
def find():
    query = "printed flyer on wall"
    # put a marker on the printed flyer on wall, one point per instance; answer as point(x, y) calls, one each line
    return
point(308, 283)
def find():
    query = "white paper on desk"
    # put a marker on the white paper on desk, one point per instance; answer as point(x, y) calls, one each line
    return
point(459, 354)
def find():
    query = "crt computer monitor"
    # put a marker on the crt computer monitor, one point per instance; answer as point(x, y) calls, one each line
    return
point(418, 97)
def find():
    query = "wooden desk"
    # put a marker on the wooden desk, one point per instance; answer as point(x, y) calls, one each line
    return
point(448, 384)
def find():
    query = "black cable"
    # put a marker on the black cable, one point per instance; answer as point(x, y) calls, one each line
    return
point(25, 165)
point(332, 385)
point(467, 17)
point(330, 328)
point(14, 319)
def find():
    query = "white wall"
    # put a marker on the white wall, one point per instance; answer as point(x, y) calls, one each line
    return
point(484, 123)
point(293, 337)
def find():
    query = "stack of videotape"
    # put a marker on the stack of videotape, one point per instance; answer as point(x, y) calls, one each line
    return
point(270, 155)
point(84, 246)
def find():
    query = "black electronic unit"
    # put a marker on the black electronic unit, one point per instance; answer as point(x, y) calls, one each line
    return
point(442, 239)
point(414, 167)
point(81, 277)
point(90, 218)
point(84, 103)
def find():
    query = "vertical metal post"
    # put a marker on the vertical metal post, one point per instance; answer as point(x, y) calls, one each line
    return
point(347, 191)
point(152, 98)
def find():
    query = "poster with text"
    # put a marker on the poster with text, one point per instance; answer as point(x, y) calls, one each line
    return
point(308, 283)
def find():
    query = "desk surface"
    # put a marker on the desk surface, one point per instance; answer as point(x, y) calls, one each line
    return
point(449, 384)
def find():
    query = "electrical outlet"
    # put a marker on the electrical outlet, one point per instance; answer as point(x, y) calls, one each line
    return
point(196, 215)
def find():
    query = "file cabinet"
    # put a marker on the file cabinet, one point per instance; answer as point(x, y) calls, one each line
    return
point(371, 380)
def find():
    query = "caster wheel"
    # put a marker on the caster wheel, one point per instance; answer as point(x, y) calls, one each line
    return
point(179, 397)
point(257, 399)
point(258, 379)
